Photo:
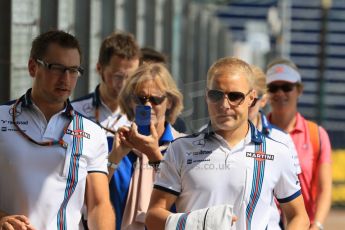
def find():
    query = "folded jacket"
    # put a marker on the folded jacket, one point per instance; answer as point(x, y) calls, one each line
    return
point(213, 218)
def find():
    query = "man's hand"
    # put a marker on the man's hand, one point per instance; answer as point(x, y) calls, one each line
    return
point(15, 222)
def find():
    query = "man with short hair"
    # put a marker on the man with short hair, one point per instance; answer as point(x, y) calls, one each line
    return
point(229, 163)
point(119, 56)
point(52, 159)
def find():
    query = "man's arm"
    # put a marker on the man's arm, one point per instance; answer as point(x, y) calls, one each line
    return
point(323, 203)
point(158, 213)
point(99, 208)
point(295, 213)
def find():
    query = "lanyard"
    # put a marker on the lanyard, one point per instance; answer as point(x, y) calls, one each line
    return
point(46, 143)
point(105, 128)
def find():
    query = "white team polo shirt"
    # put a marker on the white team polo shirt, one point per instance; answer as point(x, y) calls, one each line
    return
point(47, 183)
point(203, 171)
point(88, 105)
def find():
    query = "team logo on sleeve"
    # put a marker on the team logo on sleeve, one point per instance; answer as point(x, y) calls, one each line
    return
point(260, 156)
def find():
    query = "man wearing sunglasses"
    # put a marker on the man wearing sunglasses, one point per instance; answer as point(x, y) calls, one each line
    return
point(284, 88)
point(229, 163)
point(52, 159)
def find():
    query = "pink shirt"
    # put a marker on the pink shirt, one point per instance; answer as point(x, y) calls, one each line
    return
point(301, 138)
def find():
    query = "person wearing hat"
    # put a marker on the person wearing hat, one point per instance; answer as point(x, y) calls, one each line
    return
point(312, 144)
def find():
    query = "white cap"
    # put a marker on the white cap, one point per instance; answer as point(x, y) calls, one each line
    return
point(282, 72)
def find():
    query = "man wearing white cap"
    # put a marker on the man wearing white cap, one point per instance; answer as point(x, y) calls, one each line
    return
point(311, 141)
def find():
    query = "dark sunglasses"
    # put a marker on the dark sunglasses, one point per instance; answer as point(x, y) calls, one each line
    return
point(155, 100)
point(286, 87)
point(235, 98)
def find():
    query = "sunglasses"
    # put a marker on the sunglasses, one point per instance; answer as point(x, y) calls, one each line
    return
point(235, 98)
point(287, 87)
point(155, 100)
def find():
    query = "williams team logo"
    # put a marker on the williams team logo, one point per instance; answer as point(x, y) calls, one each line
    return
point(78, 133)
point(260, 156)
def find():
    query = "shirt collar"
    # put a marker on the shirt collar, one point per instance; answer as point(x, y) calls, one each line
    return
point(299, 127)
point(167, 134)
point(299, 123)
point(266, 125)
point(97, 102)
point(255, 135)
point(96, 99)
point(27, 102)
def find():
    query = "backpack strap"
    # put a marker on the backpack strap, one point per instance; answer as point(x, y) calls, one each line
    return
point(314, 134)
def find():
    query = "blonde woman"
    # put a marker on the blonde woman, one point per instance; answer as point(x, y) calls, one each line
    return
point(136, 156)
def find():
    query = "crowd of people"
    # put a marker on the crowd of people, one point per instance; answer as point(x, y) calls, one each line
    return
point(94, 164)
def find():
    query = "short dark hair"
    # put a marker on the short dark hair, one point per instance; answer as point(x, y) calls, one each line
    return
point(121, 44)
point(41, 43)
point(149, 54)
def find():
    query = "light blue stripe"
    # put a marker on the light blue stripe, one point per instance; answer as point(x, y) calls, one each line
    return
point(71, 185)
point(181, 223)
point(253, 201)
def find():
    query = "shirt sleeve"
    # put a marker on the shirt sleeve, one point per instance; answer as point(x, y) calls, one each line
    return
point(293, 151)
point(168, 177)
point(288, 186)
point(98, 158)
point(326, 150)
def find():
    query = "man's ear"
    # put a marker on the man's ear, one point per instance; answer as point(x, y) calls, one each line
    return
point(263, 100)
point(32, 67)
point(251, 96)
point(99, 69)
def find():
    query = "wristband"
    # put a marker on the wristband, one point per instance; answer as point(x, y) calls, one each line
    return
point(319, 225)
point(112, 165)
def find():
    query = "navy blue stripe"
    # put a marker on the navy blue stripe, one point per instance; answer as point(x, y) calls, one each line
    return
point(290, 198)
point(97, 172)
point(9, 102)
point(164, 189)
point(88, 96)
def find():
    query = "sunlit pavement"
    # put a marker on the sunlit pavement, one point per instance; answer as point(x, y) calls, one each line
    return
point(335, 220)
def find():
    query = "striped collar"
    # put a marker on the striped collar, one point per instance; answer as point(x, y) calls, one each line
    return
point(167, 136)
point(96, 99)
point(266, 125)
point(256, 136)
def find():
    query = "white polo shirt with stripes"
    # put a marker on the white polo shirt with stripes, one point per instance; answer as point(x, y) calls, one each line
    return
point(203, 171)
point(47, 183)
point(88, 106)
